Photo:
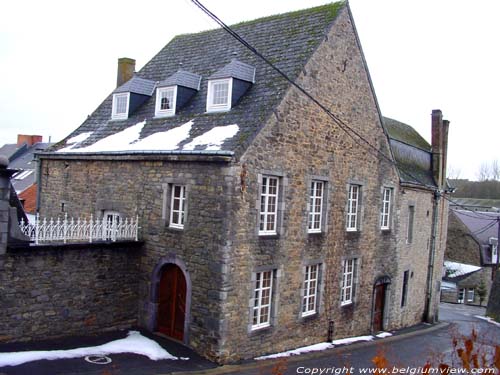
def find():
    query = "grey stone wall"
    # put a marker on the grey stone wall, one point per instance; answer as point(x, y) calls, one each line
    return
point(53, 291)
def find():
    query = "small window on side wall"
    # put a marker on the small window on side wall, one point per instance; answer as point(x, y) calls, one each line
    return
point(178, 206)
point(385, 214)
point(120, 106)
point(353, 202)
point(219, 95)
point(165, 101)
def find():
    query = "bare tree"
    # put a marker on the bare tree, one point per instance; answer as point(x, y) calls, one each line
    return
point(495, 170)
point(453, 173)
point(484, 173)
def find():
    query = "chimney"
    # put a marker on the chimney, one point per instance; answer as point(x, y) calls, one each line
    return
point(439, 147)
point(126, 70)
point(30, 140)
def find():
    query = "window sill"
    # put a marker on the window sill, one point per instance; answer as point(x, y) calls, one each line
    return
point(175, 229)
point(217, 110)
point(261, 330)
point(309, 317)
point(163, 115)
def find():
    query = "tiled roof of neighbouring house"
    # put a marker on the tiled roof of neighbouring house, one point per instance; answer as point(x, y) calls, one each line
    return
point(288, 40)
point(412, 153)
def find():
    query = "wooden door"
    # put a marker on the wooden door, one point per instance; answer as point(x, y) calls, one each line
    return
point(172, 302)
point(378, 309)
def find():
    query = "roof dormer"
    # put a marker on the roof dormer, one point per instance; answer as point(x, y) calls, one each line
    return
point(130, 96)
point(228, 85)
point(175, 92)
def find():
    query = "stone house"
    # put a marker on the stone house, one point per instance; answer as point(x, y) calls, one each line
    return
point(266, 224)
point(471, 240)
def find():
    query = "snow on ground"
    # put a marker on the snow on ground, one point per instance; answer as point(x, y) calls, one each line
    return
point(381, 335)
point(214, 138)
point(454, 269)
point(128, 139)
point(133, 343)
point(323, 346)
point(488, 319)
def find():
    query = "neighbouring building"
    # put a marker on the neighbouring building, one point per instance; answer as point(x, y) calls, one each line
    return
point(267, 224)
point(21, 159)
point(472, 249)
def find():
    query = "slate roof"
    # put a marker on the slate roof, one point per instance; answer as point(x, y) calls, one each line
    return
point(412, 153)
point(24, 161)
point(182, 78)
point(477, 223)
point(476, 204)
point(137, 85)
point(236, 69)
point(288, 40)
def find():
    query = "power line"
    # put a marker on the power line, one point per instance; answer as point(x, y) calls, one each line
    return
point(485, 228)
point(337, 120)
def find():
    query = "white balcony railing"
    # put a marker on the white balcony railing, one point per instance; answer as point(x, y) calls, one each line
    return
point(88, 230)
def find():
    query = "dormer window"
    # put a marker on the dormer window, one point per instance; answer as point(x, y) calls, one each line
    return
point(120, 106)
point(165, 101)
point(228, 85)
point(131, 96)
point(219, 95)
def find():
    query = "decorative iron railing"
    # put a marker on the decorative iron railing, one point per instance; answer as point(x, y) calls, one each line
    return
point(88, 230)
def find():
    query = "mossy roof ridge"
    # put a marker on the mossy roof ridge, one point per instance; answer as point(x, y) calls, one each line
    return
point(285, 40)
point(405, 133)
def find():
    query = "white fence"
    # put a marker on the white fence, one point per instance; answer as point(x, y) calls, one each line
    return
point(71, 230)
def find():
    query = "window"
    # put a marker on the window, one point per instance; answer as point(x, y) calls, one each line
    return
point(461, 295)
point(262, 299)
point(269, 206)
point(353, 207)
point(120, 106)
point(404, 292)
point(316, 206)
point(411, 217)
point(178, 206)
point(348, 279)
point(386, 209)
point(470, 295)
point(219, 95)
point(111, 219)
point(494, 254)
point(165, 101)
point(310, 291)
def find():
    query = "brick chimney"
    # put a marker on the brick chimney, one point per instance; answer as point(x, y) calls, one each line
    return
point(126, 70)
point(439, 147)
point(30, 140)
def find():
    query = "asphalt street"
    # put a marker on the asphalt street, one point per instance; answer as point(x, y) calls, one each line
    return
point(407, 349)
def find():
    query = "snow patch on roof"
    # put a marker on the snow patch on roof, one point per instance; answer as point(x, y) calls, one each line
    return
point(454, 269)
point(79, 138)
point(214, 138)
point(128, 140)
point(134, 343)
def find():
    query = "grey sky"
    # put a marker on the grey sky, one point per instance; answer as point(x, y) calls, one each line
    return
point(58, 60)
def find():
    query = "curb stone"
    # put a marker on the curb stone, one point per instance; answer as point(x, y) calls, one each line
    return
point(226, 369)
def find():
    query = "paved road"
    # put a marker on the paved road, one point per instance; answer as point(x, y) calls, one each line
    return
point(406, 351)
point(409, 350)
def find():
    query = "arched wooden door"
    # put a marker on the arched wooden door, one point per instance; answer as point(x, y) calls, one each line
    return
point(172, 302)
point(379, 302)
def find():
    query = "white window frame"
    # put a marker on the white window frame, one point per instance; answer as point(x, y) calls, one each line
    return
point(469, 299)
point(211, 107)
point(116, 97)
point(264, 212)
point(349, 271)
point(315, 217)
point(494, 253)
point(461, 295)
point(385, 214)
point(181, 211)
point(165, 112)
point(113, 217)
point(310, 290)
point(263, 298)
point(353, 208)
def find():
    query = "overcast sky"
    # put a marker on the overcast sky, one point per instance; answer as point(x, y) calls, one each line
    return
point(58, 60)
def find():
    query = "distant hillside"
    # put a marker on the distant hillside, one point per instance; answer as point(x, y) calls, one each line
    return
point(476, 189)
